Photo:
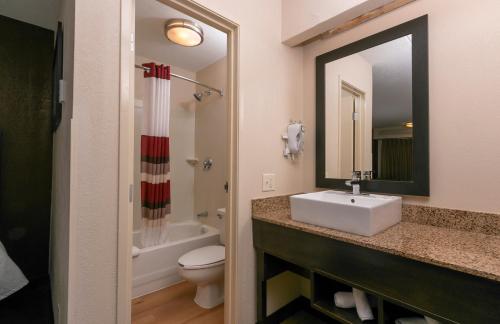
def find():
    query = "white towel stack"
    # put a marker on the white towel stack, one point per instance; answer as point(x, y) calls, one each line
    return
point(357, 298)
point(430, 320)
point(344, 299)
point(362, 305)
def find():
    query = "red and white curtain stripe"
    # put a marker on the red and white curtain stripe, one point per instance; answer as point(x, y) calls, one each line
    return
point(155, 155)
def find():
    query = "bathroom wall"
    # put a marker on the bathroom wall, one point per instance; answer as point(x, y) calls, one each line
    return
point(94, 160)
point(26, 167)
point(182, 136)
point(282, 289)
point(299, 16)
point(302, 20)
point(211, 142)
point(464, 78)
point(60, 230)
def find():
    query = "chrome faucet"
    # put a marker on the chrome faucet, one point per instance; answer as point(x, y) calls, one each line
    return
point(354, 182)
point(368, 175)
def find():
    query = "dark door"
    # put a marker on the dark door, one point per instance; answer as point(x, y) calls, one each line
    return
point(26, 157)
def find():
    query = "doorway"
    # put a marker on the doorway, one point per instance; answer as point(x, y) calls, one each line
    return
point(197, 100)
point(351, 130)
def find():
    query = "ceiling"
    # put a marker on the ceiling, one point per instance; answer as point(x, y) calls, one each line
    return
point(43, 13)
point(392, 94)
point(151, 42)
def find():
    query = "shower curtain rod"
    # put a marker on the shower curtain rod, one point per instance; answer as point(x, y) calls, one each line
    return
point(219, 91)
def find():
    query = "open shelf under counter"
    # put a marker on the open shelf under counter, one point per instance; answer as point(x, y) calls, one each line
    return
point(323, 289)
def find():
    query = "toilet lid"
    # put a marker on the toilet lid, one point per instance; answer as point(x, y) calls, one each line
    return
point(203, 256)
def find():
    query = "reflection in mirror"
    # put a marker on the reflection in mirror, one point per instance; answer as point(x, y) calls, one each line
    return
point(368, 113)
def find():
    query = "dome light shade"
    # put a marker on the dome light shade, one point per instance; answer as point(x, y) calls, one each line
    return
point(184, 32)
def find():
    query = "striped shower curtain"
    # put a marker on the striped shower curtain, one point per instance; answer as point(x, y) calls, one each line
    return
point(155, 155)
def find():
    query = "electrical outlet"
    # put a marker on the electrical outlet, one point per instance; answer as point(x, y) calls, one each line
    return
point(268, 182)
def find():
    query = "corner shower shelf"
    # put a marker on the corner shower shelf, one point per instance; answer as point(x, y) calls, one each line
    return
point(192, 161)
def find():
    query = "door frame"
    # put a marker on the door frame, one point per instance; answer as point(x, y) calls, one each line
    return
point(361, 101)
point(126, 150)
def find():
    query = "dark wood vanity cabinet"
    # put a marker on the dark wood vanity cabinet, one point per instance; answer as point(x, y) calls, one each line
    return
point(400, 286)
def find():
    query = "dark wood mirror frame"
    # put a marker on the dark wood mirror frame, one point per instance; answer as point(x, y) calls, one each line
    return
point(419, 186)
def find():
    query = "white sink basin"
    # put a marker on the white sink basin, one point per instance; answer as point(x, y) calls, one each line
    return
point(361, 214)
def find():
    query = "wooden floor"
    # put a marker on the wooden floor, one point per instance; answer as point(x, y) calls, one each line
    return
point(174, 305)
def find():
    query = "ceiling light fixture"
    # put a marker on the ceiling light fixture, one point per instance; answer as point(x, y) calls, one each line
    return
point(408, 124)
point(184, 32)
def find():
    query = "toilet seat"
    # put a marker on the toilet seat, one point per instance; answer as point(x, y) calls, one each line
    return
point(202, 258)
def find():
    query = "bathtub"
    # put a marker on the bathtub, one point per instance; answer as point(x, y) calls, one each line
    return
point(155, 267)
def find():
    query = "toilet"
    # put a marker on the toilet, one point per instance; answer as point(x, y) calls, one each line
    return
point(205, 268)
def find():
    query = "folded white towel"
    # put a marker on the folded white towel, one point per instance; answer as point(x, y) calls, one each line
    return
point(344, 299)
point(362, 306)
point(411, 320)
point(430, 320)
point(295, 133)
point(11, 277)
point(135, 251)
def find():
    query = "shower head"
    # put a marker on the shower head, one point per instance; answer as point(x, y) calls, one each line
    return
point(199, 95)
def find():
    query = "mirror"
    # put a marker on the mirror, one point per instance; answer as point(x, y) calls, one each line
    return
point(372, 107)
point(368, 122)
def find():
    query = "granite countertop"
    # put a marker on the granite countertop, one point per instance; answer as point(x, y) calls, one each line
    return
point(470, 251)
